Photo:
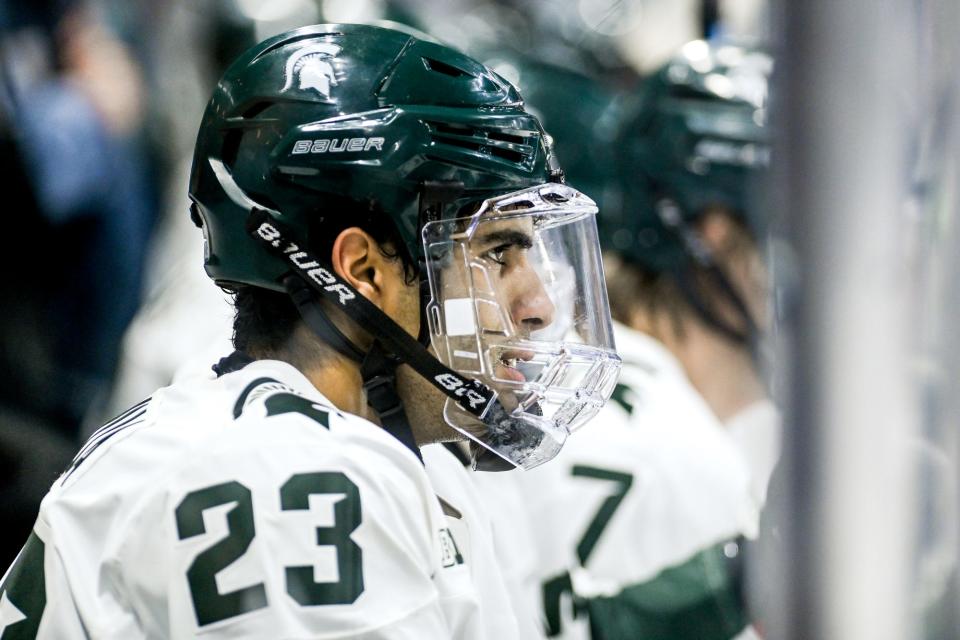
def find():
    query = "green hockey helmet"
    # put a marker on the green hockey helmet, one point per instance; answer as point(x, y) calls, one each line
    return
point(695, 139)
point(513, 301)
point(358, 112)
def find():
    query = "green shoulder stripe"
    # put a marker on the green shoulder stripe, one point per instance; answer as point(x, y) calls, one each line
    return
point(281, 400)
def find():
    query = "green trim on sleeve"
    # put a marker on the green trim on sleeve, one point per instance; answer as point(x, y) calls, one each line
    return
point(699, 599)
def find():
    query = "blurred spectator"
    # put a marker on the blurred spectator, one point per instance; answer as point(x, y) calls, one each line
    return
point(71, 103)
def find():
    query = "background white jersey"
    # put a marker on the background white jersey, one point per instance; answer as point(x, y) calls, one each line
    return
point(241, 507)
point(649, 485)
point(757, 431)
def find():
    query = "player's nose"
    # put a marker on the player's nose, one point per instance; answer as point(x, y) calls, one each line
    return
point(532, 308)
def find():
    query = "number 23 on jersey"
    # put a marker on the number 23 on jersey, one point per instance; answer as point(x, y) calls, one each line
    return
point(210, 605)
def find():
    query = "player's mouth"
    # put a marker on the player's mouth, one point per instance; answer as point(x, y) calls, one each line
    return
point(506, 368)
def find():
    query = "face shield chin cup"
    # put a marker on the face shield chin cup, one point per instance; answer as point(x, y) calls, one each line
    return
point(518, 302)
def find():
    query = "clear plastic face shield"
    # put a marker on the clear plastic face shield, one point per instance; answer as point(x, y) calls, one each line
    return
point(518, 302)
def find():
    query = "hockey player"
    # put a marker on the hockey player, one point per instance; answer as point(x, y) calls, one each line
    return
point(357, 188)
point(639, 531)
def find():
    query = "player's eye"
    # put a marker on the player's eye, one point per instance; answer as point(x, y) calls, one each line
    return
point(498, 254)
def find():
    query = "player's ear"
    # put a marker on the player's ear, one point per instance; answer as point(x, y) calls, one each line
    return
point(718, 230)
point(357, 259)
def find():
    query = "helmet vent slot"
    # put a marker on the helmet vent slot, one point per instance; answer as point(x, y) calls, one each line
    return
point(256, 109)
point(444, 68)
point(510, 147)
point(506, 137)
point(507, 154)
point(465, 144)
point(455, 129)
point(231, 147)
point(288, 41)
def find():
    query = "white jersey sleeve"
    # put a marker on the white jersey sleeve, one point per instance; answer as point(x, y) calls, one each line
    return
point(757, 432)
point(287, 520)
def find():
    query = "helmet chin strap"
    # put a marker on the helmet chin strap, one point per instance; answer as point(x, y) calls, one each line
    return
point(377, 369)
point(702, 256)
point(511, 433)
point(393, 346)
point(379, 372)
point(314, 316)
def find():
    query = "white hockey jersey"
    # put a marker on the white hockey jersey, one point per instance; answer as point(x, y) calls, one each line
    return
point(652, 481)
point(757, 431)
point(515, 545)
point(471, 526)
point(241, 507)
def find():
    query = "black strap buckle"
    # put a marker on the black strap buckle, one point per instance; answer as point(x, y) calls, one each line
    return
point(382, 394)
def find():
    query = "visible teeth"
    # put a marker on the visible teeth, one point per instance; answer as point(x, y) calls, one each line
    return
point(510, 362)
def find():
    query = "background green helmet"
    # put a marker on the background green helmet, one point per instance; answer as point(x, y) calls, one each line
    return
point(317, 115)
point(696, 138)
point(579, 111)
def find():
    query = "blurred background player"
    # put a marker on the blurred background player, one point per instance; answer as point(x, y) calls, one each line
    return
point(691, 237)
point(637, 537)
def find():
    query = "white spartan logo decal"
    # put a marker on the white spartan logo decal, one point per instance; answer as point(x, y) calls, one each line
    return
point(311, 68)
